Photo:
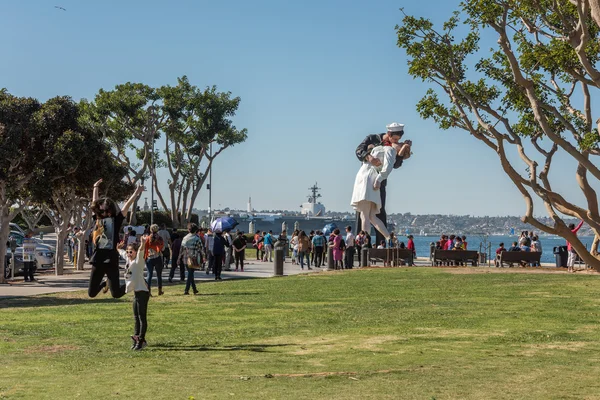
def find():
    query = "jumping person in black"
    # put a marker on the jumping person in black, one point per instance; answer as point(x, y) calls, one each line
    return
point(105, 258)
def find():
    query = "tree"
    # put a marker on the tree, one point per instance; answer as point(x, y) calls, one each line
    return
point(22, 153)
point(196, 121)
point(134, 117)
point(532, 94)
point(79, 158)
point(131, 119)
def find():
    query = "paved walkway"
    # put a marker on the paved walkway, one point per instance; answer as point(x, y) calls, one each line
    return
point(48, 282)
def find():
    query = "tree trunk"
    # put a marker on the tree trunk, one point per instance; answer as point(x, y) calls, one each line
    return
point(81, 252)
point(4, 232)
point(595, 11)
point(31, 220)
point(174, 206)
point(594, 249)
point(61, 235)
point(89, 222)
point(133, 213)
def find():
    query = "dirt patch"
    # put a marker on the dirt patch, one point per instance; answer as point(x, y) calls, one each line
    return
point(516, 270)
point(451, 333)
point(533, 349)
point(373, 342)
point(57, 348)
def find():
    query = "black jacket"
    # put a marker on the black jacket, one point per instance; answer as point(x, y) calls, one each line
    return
point(376, 139)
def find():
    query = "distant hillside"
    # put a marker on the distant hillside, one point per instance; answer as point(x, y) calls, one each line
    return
point(436, 224)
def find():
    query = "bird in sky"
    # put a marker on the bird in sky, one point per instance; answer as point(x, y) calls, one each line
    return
point(60, 8)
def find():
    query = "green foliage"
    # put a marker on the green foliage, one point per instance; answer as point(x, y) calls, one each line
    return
point(134, 116)
point(76, 158)
point(544, 43)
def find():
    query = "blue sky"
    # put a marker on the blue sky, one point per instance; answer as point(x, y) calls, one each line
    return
point(315, 77)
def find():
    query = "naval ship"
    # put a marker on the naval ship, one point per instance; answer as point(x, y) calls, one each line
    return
point(312, 217)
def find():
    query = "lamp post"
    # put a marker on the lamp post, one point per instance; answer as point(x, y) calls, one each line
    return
point(152, 184)
point(210, 186)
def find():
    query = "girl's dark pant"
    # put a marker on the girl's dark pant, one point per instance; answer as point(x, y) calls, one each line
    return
point(140, 309)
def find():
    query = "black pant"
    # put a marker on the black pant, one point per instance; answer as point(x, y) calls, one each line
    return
point(166, 256)
point(174, 267)
point(318, 252)
point(349, 257)
point(382, 215)
point(151, 264)
point(28, 269)
point(239, 259)
point(258, 256)
point(211, 263)
point(111, 270)
point(218, 265)
point(140, 309)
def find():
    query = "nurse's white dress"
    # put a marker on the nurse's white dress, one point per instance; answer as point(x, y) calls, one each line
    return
point(368, 174)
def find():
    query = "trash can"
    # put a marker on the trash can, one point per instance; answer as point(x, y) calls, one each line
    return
point(562, 255)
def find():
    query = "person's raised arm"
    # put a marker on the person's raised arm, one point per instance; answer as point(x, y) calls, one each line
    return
point(363, 151)
point(141, 250)
point(96, 190)
point(578, 227)
point(131, 200)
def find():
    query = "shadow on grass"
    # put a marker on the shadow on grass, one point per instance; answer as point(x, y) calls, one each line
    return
point(51, 301)
point(259, 348)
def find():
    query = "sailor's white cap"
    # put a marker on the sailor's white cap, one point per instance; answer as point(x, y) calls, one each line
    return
point(395, 127)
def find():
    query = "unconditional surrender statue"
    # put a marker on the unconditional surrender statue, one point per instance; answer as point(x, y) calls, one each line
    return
point(379, 153)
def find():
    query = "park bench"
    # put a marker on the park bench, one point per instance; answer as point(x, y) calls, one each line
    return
point(455, 256)
point(391, 256)
point(511, 257)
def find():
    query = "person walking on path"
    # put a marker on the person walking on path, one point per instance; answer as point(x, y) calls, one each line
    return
point(175, 250)
point(318, 245)
point(29, 245)
point(218, 251)
point(268, 246)
point(393, 135)
point(134, 281)
point(294, 246)
point(154, 257)
point(349, 255)
point(338, 249)
point(239, 248)
point(228, 251)
point(208, 245)
point(572, 254)
point(105, 258)
point(190, 255)
point(258, 239)
point(303, 249)
point(411, 246)
point(166, 251)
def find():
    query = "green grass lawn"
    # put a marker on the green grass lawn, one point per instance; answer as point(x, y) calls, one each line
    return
point(408, 333)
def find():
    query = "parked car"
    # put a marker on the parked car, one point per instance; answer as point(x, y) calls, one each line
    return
point(44, 253)
point(18, 262)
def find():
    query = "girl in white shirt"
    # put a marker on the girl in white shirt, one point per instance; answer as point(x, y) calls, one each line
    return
point(134, 280)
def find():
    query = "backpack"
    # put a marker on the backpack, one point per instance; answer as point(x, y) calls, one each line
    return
point(342, 244)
